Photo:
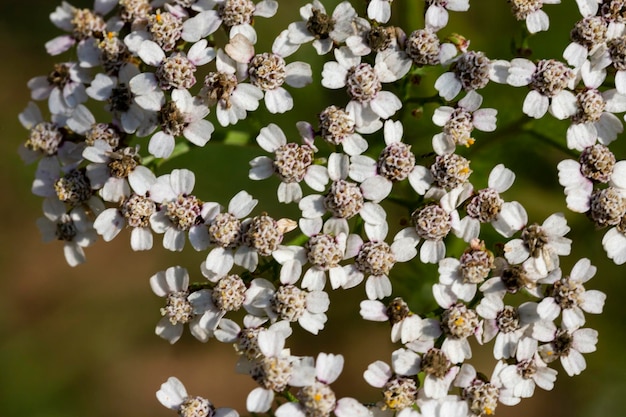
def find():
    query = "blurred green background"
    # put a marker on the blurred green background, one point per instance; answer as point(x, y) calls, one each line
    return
point(80, 342)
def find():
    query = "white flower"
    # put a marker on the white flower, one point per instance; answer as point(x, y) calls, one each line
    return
point(173, 395)
point(458, 123)
point(523, 376)
point(458, 323)
point(107, 51)
point(64, 87)
point(509, 325)
point(273, 370)
point(316, 397)
point(510, 278)
point(368, 102)
point(541, 244)
point(292, 163)
point(568, 346)
point(184, 115)
point(471, 70)
point(180, 211)
point(176, 70)
point(589, 40)
point(74, 229)
point(324, 252)
point(567, 296)
point(436, 16)
point(596, 164)
point(337, 127)
point(548, 81)
point(434, 221)
point(324, 30)
point(235, 15)
point(227, 295)
point(374, 259)
point(46, 139)
point(163, 27)
point(287, 302)
point(366, 38)
point(83, 24)
point(269, 71)
point(111, 170)
point(406, 326)
point(483, 396)
point(253, 237)
point(395, 163)
point(129, 113)
point(399, 388)
point(486, 206)
point(536, 19)
point(439, 372)
point(458, 279)
point(135, 211)
point(594, 118)
point(608, 44)
point(68, 184)
point(180, 309)
point(224, 231)
point(224, 89)
point(343, 200)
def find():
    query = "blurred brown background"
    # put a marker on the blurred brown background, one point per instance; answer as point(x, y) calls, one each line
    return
point(80, 342)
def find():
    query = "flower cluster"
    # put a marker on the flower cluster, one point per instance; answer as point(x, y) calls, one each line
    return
point(171, 76)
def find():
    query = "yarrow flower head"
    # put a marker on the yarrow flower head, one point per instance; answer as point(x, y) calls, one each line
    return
point(548, 81)
point(385, 169)
point(225, 90)
point(437, 11)
point(531, 12)
point(180, 309)
point(368, 101)
point(567, 297)
point(173, 395)
point(323, 29)
point(183, 115)
point(292, 163)
point(315, 397)
point(288, 302)
point(268, 71)
point(434, 221)
point(64, 87)
point(236, 16)
point(74, 229)
point(542, 244)
point(470, 71)
point(343, 200)
point(180, 212)
point(458, 123)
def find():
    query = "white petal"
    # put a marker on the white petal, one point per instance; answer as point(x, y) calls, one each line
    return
point(278, 100)
point(535, 105)
point(259, 400)
point(298, 74)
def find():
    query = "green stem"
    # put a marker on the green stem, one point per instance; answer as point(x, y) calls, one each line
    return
point(514, 127)
point(298, 240)
point(404, 202)
point(552, 142)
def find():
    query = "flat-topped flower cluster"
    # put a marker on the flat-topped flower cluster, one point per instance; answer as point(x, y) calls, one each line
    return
point(158, 71)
